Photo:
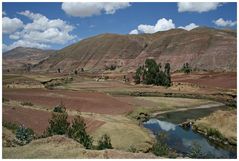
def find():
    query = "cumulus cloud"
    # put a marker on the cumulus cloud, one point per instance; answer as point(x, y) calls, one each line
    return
point(25, 43)
point(224, 23)
point(166, 126)
point(4, 13)
point(134, 32)
point(161, 25)
point(189, 27)
point(11, 25)
point(41, 32)
point(197, 6)
point(87, 9)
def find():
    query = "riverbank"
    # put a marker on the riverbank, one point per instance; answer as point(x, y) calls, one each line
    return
point(219, 126)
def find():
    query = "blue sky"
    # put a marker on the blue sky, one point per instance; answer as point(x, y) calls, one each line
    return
point(56, 25)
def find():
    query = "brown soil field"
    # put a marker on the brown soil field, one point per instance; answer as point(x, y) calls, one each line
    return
point(221, 80)
point(38, 120)
point(80, 101)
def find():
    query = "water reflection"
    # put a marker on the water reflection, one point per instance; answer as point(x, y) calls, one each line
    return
point(182, 140)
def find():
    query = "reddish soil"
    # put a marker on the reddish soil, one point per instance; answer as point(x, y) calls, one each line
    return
point(81, 101)
point(221, 80)
point(38, 120)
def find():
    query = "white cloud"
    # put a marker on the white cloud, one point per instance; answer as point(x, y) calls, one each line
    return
point(189, 27)
point(224, 23)
point(11, 25)
point(143, 28)
point(161, 25)
point(197, 6)
point(41, 32)
point(4, 13)
point(24, 43)
point(166, 126)
point(134, 32)
point(87, 9)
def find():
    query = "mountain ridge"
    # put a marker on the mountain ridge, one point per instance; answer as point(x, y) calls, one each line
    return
point(203, 48)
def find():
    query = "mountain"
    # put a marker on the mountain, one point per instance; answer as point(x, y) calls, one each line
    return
point(18, 58)
point(203, 48)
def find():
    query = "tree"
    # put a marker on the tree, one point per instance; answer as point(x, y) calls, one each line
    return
point(76, 72)
point(151, 73)
point(77, 131)
point(137, 77)
point(58, 125)
point(24, 135)
point(151, 70)
point(59, 70)
point(186, 68)
point(104, 142)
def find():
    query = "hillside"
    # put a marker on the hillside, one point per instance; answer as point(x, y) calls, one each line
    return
point(203, 48)
point(18, 58)
point(62, 147)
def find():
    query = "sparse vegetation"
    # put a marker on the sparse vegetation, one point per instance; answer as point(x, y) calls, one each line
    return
point(111, 67)
point(195, 151)
point(214, 133)
point(77, 131)
point(24, 135)
point(104, 142)
point(57, 82)
point(27, 104)
point(160, 148)
point(5, 100)
point(60, 108)
point(132, 149)
point(10, 125)
point(151, 73)
point(186, 68)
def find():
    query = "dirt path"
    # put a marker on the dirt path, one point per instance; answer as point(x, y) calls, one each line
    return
point(191, 108)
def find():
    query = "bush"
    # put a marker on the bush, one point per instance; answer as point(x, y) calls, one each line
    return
point(104, 142)
point(11, 126)
point(186, 68)
point(27, 104)
point(60, 108)
point(77, 131)
point(195, 151)
point(58, 124)
point(132, 149)
point(160, 148)
point(111, 67)
point(24, 135)
point(5, 100)
point(214, 133)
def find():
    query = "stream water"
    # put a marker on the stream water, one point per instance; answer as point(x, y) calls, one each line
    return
point(182, 140)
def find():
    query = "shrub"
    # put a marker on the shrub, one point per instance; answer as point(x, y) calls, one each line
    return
point(10, 125)
point(58, 125)
point(111, 67)
point(60, 108)
point(132, 149)
point(27, 104)
point(160, 148)
point(77, 131)
point(195, 151)
point(104, 142)
point(24, 135)
point(186, 68)
point(214, 133)
point(5, 100)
